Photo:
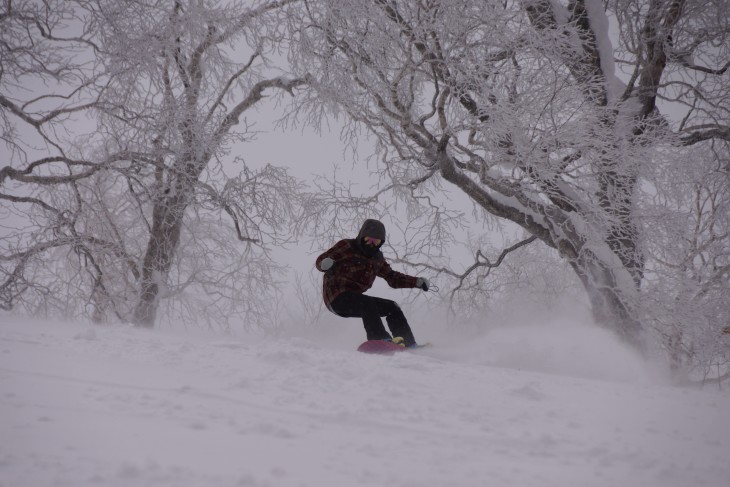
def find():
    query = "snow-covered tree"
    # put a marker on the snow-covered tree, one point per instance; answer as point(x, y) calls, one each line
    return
point(544, 112)
point(686, 293)
point(118, 117)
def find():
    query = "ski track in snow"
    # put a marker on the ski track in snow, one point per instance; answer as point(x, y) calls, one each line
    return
point(115, 406)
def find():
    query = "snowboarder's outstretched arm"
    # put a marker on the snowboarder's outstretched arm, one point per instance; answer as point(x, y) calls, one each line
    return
point(339, 251)
point(395, 279)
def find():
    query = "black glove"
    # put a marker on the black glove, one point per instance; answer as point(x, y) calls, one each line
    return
point(423, 283)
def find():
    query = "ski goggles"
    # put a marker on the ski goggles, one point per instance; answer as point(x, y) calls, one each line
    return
point(374, 242)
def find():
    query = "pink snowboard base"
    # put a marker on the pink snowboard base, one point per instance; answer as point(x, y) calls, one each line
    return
point(380, 347)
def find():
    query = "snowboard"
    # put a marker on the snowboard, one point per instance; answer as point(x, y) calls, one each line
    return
point(382, 347)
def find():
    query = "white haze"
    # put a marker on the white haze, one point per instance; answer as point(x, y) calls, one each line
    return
point(520, 403)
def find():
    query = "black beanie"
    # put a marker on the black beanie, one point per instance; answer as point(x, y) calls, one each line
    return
point(372, 228)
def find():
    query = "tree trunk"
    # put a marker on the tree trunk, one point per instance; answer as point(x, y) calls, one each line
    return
point(615, 197)
point(161, 247)
point(611, 304)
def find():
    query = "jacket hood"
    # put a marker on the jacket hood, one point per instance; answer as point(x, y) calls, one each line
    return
point(372, 228)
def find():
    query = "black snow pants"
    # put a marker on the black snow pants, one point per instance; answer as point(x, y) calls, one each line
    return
point(353, 305)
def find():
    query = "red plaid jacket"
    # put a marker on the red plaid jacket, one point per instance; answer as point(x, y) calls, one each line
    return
point(356, 272)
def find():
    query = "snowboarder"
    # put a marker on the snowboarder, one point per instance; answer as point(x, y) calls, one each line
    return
point(350, 268)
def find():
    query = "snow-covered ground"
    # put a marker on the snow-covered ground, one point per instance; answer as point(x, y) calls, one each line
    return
point(83, 405)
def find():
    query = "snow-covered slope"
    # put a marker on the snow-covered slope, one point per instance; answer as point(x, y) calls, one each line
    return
point(82, 405)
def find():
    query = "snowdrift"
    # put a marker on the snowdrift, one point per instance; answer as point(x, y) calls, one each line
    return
point(82, 405)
